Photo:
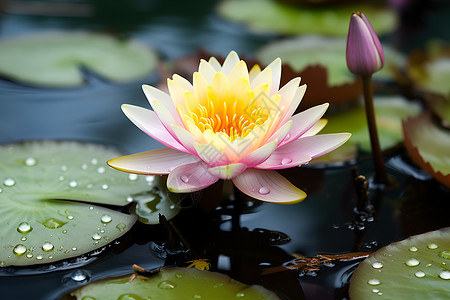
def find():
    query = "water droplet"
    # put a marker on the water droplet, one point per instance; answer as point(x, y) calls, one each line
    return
point(79, 276)
point(94, 161)
point(419, 274)
point(130, 297)
point(19, 249)
point(167, 285)
point(105, 186)
point(61, 178)
point(264, 190)
point(179, 275)
point(288, 136)
point(24, 238)
point(1, 190)
point(64, 231)
point(413, 249)
point(30, 161)
point(29, 255)
point(96, 236)
point(172, 206)
point(149, 179)
point(64, 168)
point(444, 275)
point(133, 177)
point(375, 290)
point(129, 199)
point(377, 265)
point(374, 281)
point(412, 262)
point(197, 297)
point(73, 183)
point(380, 293)
point(432, 246)
point(101, 170)
point(184, 178)
point(69, 217)
point(217, 285)
point(2, 263)
point(47, 246)
point(286, 161)
point(106, 219)
point(444, 254)
point(53, 223)
point(39, 257)
point(121, 227)
point(24, 227)
point(240, 295)
point(74, 248)
point(9, 182)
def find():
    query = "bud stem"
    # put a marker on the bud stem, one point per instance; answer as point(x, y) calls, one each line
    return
point(380, 171)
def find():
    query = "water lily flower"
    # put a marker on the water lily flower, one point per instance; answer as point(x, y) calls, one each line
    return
point(229, 124)
point(364, 54)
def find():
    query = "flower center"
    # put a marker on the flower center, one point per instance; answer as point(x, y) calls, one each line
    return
point(223, 117)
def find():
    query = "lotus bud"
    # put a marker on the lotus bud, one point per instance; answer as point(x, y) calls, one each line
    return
point(364, 53)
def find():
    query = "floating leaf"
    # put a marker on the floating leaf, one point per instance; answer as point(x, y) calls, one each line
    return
point(173, 283)
point(389, 113)
point(430, 70)
point(428, 146)
point(55, 60)
point(415, 268)
point(38, 224)
point(276, 17)
point(327, 52)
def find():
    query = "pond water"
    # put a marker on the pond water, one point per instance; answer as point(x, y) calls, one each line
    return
point(242, 239)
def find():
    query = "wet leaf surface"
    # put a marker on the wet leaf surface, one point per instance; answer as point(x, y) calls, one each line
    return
point(277, 17)
point(415, 268)
point(38, 224)
point(428, 146)
point(57, 60)
point(173, 283)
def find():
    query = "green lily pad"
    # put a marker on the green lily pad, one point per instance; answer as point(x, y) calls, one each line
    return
point(440, 106)
point(428, 145)
point(390, 111)
point(275, 17)
point(38, 224)
point(172, 283)
point(55, 60)
point(415, 268)
point(306, 51)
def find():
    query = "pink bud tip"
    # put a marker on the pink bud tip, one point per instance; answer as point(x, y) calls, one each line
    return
point(364, 54)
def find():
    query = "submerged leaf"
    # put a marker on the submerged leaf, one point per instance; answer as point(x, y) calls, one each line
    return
point(428, 146)
point(173, 283)
point(415, 268)
point(56, 60)
point(38, 224)
point(277, 17)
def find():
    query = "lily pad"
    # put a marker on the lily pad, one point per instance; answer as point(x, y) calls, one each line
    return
point(428, 146)
point(390, 111)
point(173, 283)
point(48, 196)
point(415, 268)
point(327, 52)
point(276, 17)
point(56, 60)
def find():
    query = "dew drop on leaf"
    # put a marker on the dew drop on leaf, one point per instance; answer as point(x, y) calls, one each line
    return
point(9, 182)
point(19, 249)
point(24, 227)
point(412, 262)
point(166, 285)
point(30, 162)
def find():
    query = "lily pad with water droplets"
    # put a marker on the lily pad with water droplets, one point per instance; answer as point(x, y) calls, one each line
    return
point(55, 60)
point(271, 16)
point(306, 51)
point(415, 268)
point(428, 146)
point(39, 224)
point(173, 283)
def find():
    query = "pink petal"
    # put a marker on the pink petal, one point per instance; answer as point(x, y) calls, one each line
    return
point(228, 171)
point(190, 178)
point(281, 133)
point(155, 94)
point(267, 185)
point(316, 128)
point(147, 121)
point(211, 155)
point(304, 149)
point(259, 155)
point(186, 138)
point(155, 162)
point(303, 121)
point(165, 117)
point(289, 110)
point(276, 75)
